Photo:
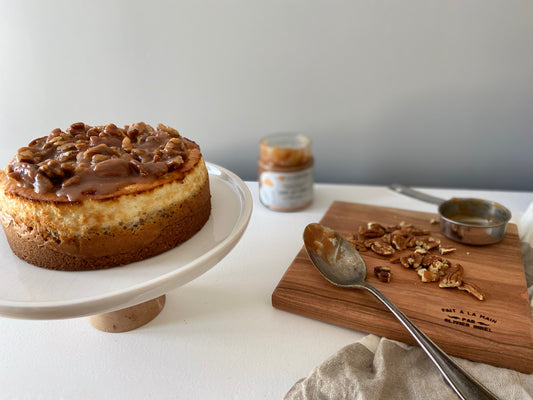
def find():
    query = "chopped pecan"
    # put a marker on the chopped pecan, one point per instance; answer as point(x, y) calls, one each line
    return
point(98, 158)
point(418, 232)
point(359, 246)
point(411, 242)
point(453, 277)
point(383, 273)
point(135, 130)
point(368, 243)
point(26, 154)
point(98, 149)
point(126, 144)
point(66, 147)
point(473, 290)
point(73, 180)
point(412, 260)
point(421, 250)
point(399, 240)
point(52, 169)
point(69, 167)
point(432, 259)
point(112, 167)
point(382, 248)
point(42, 183)
point(76, 126)
point(427, 275)
point(372, 230)
point(393, 228)
point(112, 129)
point(67, 156)
point(386, 238)
point(429, 243)
point(82, 146)
point(445, 250)
point(439, 268)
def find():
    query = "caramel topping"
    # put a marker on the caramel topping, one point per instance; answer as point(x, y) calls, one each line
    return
point(97, 160)
point(285, 150)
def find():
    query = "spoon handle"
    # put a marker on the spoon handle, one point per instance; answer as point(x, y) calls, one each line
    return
point(465, 386)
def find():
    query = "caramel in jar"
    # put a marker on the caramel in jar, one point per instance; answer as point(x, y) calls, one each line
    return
point(285, 172)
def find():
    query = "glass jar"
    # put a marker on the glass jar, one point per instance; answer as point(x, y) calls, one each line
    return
point(285, 171)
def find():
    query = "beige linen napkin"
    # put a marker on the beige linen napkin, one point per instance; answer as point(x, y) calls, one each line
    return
point(379, 368)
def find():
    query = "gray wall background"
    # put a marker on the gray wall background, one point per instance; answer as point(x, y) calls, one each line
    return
point(432, 93)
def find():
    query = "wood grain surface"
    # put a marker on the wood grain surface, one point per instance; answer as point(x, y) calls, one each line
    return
point(497, 331)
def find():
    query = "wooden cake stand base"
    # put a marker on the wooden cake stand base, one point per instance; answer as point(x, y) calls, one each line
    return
point(129, 318)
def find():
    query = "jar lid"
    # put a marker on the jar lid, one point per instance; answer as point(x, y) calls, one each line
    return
point(286, 149)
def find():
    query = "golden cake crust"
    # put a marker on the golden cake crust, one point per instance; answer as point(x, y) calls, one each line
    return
point(135, 222)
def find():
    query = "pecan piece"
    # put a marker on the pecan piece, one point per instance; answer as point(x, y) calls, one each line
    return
point(112, 129)
point(98, 158)
point(101, 148)
point(126, 144)
point(431, 259)
point(419, 232)
point(383, 273)
point(473, 290)
point(112, 167)
point(25, 154)
point(435, 264)
point(420, 250)
point(453, 277)
point(66, 147)
point(445, 250)
point(174, 143)
point(428, 276)
point(42, 184)
point(399, 240)
point(52, 169)
point(386, 238)
point(77, 126)
point(155, 168)
point(412, 242)
point(53, 134)
point(94, 131)
point(74, 180)
point(82, 146)
point(412, 260)
point(136, 129)
point(371, 231)
point(360, 246)
point(168, 129)
point(429, 243)
point(382, 248)
point(67, 156)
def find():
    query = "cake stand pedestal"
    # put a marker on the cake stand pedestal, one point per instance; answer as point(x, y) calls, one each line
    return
point(128, 318)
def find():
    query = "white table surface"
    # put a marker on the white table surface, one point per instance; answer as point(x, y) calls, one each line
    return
point(218, 337)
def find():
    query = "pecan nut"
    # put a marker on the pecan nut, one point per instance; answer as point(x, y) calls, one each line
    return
point(384, 274)
point(473, 290)
point(453, 277)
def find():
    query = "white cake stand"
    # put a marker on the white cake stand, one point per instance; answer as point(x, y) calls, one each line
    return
point(126, 297)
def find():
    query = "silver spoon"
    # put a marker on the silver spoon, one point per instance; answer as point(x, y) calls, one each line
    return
point(340, 263)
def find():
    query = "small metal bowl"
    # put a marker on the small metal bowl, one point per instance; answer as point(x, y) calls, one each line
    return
point(473, 221)
point(466, 220)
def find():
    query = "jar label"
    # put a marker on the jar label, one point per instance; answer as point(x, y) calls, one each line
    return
point(286, 190)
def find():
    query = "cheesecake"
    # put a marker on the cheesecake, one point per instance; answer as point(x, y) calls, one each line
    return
point(94, 197)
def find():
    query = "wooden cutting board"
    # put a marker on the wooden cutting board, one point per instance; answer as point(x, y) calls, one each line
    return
point(497, 331)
